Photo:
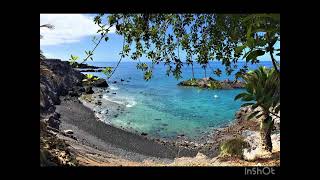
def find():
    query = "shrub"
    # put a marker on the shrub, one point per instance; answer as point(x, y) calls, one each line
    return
point(233, 147)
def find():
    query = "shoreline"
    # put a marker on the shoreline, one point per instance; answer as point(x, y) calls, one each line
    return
point(97, 133)
point(97, 143)
point(93, 132)
point(98, 104)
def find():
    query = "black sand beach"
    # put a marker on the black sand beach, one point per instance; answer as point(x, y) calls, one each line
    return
point(93, 132)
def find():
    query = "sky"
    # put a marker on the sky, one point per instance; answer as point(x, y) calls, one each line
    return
point(73, 34)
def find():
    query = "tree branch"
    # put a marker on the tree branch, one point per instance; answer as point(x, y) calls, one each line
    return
point(271, 54)
point(273, 60)
point(96, 45)
point(119, 59)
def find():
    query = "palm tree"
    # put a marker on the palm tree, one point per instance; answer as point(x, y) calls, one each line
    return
point(192, 70)
point(190, 62)
point(263, 90)
point(205, 70)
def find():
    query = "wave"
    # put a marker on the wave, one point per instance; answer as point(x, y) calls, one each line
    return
point(113, 87)
point(127, 101)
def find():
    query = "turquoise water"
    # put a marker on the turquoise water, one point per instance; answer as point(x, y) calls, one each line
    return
point(164, 110)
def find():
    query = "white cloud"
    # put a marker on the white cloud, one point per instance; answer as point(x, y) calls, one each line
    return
point(69, 28)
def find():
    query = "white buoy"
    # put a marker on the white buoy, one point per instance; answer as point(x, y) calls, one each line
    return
point(215, 96)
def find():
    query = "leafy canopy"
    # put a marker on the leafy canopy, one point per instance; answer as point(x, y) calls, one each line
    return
point(203, 38)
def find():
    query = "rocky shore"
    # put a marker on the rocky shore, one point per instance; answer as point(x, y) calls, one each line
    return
point(211, 83)
point(86, 68)
point(73, 134)
point(63, 114)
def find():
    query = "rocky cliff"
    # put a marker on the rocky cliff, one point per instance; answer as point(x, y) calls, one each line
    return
point(56, 78)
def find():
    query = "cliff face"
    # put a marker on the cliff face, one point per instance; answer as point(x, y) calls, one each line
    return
point(56, 78)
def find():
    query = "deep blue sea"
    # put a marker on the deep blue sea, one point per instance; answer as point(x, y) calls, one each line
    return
point(162, 109)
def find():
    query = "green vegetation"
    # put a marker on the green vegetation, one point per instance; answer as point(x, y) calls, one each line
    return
point(203, 38)
point(89, 79)
point(233, 147)
point(214, 85)
point(211, 83)
point(263, 88)
point(73, 59)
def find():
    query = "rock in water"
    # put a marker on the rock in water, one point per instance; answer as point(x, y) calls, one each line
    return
point(144, 134)
point(68, 131)
point(100, 83)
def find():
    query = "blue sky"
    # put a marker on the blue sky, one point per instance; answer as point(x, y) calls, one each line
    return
point(73, 34)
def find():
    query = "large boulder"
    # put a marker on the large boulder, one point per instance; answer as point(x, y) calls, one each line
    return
point(254, 151)
point(100, 83)
point(54, 121)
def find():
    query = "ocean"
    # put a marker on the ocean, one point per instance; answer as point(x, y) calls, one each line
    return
point(163, 109)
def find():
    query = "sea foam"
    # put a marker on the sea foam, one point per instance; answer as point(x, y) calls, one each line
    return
point(113, 87)
point(124, 100)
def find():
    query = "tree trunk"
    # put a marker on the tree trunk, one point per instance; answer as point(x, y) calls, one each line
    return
point(265, 133)
point(192, 71)
point(205, 72)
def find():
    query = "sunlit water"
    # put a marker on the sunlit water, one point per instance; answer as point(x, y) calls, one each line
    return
point(162, 109)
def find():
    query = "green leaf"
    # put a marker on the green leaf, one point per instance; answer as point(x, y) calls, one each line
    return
point(239, 49)
point(217, 72)
point(74, 58)
point(148, 75)
point(107, 71)
point(246, 104)
point(249, 32)
point(89, 76)
point(254, 54)
point(106, 38)
point(250, 42)
point(240, 96)
point(142, 66)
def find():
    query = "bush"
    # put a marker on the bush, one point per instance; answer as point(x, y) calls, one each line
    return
point(233, 147)
point(214, 85)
